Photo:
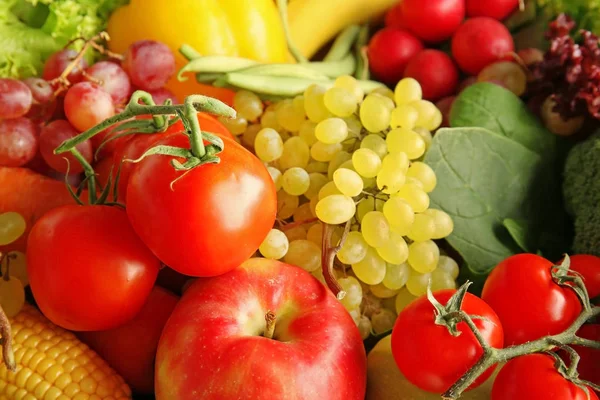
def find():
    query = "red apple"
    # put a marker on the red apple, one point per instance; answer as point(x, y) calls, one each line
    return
point(217, 344)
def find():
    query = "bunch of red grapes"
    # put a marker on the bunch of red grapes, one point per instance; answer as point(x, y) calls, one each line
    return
point(38, 114)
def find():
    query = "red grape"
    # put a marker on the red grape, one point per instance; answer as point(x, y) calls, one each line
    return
point(389, 52)
point(112, 78)
point(15, 98)
point(149, 64)
point(58, 62)
point(436, 73)
point(86, 105)
point(44, 102)
point(18, 142)
point(52, 136)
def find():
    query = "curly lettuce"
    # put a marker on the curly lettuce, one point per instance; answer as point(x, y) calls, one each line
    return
point(31, 30)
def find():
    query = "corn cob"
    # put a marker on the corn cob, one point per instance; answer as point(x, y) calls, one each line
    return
point(52, 364)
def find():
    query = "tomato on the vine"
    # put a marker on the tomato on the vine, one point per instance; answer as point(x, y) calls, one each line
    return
point(588, 266)
point(529, 303)
point(211, 219)
point(207, 123)
point(534, 377)
point(431, 357)
point(589, 363)
point(87, 268)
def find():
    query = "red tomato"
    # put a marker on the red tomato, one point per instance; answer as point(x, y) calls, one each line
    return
point(433, 20)
point(213, 219)
point(87, 268)
point(527, 300)
point(207, 123)
point(436, 73)
point(429, 356)
point(394, 19)
point(534, 377)
point(109, 148)
point(589, 268)
point(131, 348)
point(497, 9)
point(389, 52)
point(589, 364)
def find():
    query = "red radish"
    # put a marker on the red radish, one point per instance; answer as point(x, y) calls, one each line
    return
point(497, 9)
point(389, 52)
point(445, 105)
point(436, 73)
point(394, 19)
point(479, 42)
point(433, 20)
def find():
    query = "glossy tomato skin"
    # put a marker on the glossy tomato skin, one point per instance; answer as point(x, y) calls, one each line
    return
point(534, 377)
point(528, 302)
point(389, 52)
point(87, 268)
point(589, 267)
point(589, 364)
point(436, 73)
point(131, 348)
point(429, 356)
point(213, 219)
point(433, 21)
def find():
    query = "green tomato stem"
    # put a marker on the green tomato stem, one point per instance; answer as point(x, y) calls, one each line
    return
point(89, 173)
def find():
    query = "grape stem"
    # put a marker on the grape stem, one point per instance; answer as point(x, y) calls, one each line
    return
point(328, 253)
point(8, 355)
point(292, 225)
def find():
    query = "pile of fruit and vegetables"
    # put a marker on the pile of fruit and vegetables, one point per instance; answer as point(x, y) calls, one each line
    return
point(303, 199)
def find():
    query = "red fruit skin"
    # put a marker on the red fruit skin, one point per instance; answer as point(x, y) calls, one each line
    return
point(59, 61)
point(589, 364)
point(433, 21)
point(131, 348)
point(149, 64)
point(436, 73)
point(216, 332)
point(389, 52)
point(55, 133)
point(588, 266)
point(83, 108)
point(445, 105)
point(394, 18)
point(497, 9)
point(479, 42)
point(527, 300)
point(16, 153)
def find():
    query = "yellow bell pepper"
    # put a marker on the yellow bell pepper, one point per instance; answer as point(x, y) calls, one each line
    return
point(245, 28)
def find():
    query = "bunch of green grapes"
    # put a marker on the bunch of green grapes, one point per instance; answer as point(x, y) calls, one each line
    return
point(13, 267)
point(338, 157)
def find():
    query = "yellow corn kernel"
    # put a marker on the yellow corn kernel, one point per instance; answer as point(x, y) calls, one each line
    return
point(52, 364)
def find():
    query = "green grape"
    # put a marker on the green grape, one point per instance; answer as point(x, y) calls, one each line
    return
point(354, 126)
point(396, 276)
point(375, 228)
point(407, 141)
point(367, 182)
point(382, 292)
point(318, 273)
point(12, 296)
point(404, 116)
point(331, 131)
point(276, 176)
point(285, 135)
point(348, 182)
point(403, 298)
point(388, 102)
point(317, 166)
point(304, 254)
point(443, 223)
point(12, 227)
point(268, 145)
point(427, 111)
point(249, 136)
point(376, 143)
point(298, 103)
point(448, 265)
point(353, 290)
point(314, 104)
point(307, 132)
point(328, 189)
point(374, 113)
point(269, 120)
point(395, 249)
point(296, 153)
point(295, 233)
point(414, 195)
point(313, 205)
point(423, 257)
point(236, 126)
point(340, 101)
point(324, 152)
point(295, 181)
point(354, 248)
point(275, 245)
point(435, 121)
point(371, 269)
point(317, 181)
point(385, 92)
point(399, 214)
point(417, 283)
point(383, 321)
point(302, 213)
point(425, 134)
point(407, 91)
point(335, 209)
point(424, 174)
point(288, 116)
point(351, 84)
point(367, 205)
point(440, 280)
point(337, 161)
point(366, 162)
point(355, 314)
point(423, 228)
point(389, 303)
point(390, 180)
point(248, 105)
point(17, 262)
point(286, 204)
point(396, 161)
point(315, 234)
point(364, 327)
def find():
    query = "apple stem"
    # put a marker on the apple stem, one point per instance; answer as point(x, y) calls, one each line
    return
point(328, 253)
point(270, 327)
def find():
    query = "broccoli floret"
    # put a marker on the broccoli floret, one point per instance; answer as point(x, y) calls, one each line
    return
point(581, 189)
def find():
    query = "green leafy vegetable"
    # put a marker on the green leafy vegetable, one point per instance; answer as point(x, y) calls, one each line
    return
point(31, 30)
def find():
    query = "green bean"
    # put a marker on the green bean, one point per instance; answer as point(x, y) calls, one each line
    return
point(362, 67)
point(284, 70)
point(342, 44)
point(215, 64)
point(333, 69)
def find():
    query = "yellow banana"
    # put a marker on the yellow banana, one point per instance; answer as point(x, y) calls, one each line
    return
point(313, 23)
